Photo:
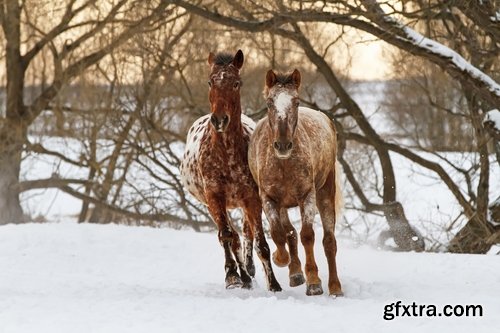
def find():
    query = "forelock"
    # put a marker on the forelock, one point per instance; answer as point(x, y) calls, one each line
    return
point(284, 79)
point(223, 59)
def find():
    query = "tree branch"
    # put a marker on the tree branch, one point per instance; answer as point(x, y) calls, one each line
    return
point(63, 185)
point(44, 99)
point(384, 28)
point(438, 169)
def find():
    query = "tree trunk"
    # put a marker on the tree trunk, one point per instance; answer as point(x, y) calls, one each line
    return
point(474, 236)
point(11, 141)
point(12, 127)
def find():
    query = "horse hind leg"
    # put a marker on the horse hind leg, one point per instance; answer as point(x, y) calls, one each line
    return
point(295, 271)
point(326, 202)
point(248, 247)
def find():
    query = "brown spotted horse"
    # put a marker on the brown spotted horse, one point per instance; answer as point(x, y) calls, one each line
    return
point(215, 171)
point(292, 157)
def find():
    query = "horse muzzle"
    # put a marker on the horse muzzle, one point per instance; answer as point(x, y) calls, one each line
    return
point(283, 150)
point(220, 123)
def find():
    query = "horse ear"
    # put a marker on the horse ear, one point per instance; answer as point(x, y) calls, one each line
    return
point(270, 78)
point(238, 59)
point(296, 77)
point(211, 58)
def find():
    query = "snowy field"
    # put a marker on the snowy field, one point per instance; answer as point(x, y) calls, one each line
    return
point(65, 277)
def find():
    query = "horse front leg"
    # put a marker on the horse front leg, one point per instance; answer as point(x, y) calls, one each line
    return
point(294, 268)
point(253, 213)
point(307, 211)
point(217, 209)
point(238, 254)
point(327, 210)
point(280, 257)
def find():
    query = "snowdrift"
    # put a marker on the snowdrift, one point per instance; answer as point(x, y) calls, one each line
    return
point(65, 277)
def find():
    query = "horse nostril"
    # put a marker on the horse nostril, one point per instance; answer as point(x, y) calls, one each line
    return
point(213, 120)
point(289, 146)
point(276, 145)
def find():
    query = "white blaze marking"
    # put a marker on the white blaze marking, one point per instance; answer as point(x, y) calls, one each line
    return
point(282, 103)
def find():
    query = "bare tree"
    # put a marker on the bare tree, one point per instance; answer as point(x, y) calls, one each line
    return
point(89, 26)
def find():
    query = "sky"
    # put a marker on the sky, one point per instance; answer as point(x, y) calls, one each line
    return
point(368, 62)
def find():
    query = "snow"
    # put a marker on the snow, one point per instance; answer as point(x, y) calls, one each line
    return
point(495, 18)
point(108, 278)
point(494, 117)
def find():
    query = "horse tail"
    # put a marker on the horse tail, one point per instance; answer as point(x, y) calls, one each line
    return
point(339, 198)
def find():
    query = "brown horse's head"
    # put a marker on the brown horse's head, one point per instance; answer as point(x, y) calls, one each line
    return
point(282, 94)
point(225, 83)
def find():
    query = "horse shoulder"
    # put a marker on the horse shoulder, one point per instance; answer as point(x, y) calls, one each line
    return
point(322, 138)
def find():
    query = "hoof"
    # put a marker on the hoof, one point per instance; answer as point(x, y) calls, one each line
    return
point(281, 261)
point(247, 285)
point(314, 290)
point(275, 287)
point(233, 281)
point(337, 293)
point(297, 279)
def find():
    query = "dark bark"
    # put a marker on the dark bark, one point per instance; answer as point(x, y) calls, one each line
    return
point(82, 217)
point(12, 128)
point(10, 163)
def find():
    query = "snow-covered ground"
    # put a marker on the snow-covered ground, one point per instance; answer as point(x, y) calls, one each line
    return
point(106, 278)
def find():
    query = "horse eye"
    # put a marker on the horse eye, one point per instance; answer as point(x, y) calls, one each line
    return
point(236, 84)
point(210, 84)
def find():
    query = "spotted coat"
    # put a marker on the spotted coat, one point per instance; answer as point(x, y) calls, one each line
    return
point(230, 168)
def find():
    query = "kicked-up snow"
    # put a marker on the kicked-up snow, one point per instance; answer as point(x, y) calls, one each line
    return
point(107, 278)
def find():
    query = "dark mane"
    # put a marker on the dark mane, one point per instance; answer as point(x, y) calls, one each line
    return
point(223, 59)
point(284, 79)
